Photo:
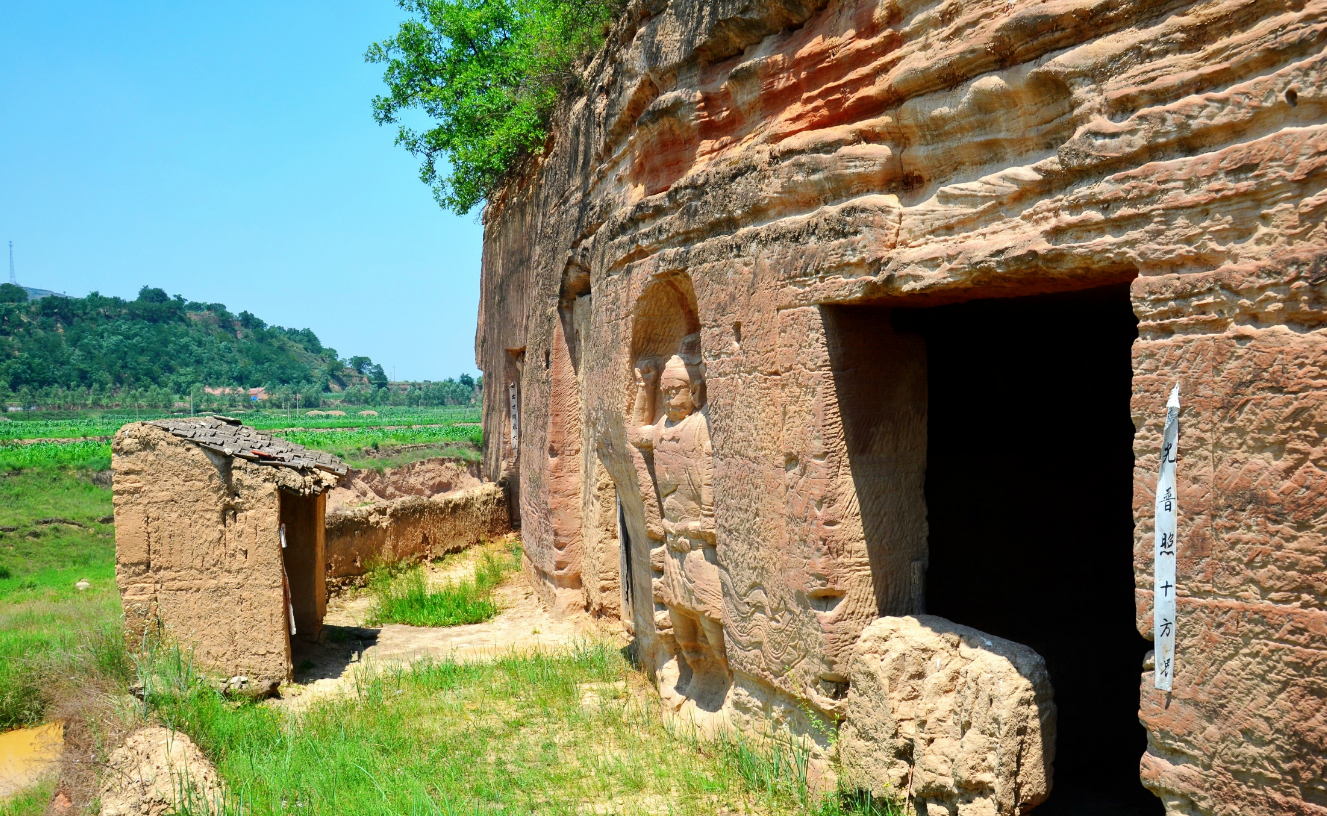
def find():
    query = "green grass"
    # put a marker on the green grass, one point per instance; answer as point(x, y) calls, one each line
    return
point(30, 801)
point(47, 627)
point(512, 736)
point(44, 494)
point(402, 593)
point(52, 634)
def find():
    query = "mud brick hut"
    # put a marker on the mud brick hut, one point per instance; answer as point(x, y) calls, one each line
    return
point(219, 540)
point(828, 345)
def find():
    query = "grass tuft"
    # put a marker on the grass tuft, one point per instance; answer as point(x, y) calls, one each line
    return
point(402, 593)
point(29, 801)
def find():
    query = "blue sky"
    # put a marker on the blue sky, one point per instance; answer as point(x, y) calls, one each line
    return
point(227, 152)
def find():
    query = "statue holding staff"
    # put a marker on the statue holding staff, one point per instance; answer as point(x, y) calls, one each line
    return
point(684, 475)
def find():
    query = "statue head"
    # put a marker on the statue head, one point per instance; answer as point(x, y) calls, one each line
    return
point(679, 385)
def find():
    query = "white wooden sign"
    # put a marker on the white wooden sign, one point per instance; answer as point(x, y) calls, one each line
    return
point(515, 419)
point(1163, 586)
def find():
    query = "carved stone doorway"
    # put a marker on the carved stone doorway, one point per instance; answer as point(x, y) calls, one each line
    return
point(1029, 479)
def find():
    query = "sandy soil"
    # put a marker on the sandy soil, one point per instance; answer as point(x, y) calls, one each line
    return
point(523, 625)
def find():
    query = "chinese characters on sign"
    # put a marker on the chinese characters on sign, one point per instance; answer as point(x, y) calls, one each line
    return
point(515, 420)
point(1163, 596)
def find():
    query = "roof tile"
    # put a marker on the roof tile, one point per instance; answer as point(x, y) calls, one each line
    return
point(228, 436)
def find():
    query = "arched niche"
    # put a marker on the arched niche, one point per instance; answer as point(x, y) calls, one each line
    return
point(665, 322)
point(668, 423)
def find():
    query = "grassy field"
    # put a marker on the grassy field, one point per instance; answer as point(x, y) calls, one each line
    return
point(569, 733)
point(572, 732)
point(54, 533)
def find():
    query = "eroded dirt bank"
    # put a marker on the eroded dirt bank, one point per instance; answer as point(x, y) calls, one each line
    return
point(422, 510)
point(429, 478)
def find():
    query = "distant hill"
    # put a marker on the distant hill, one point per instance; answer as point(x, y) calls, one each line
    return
point(38, 294)
point(105, 345)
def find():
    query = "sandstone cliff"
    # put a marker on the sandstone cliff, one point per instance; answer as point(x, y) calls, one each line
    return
point(743, 171)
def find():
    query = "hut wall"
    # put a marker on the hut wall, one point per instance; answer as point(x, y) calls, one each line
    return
point(198, 555)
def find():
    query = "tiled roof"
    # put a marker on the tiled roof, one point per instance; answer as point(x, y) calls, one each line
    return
point(227, 436)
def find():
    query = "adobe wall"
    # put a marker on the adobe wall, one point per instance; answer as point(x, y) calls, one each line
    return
point(198, 550)
point(412, 528)
point(763, 162)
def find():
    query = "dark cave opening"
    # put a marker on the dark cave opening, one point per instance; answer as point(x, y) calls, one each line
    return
point(1029, 481)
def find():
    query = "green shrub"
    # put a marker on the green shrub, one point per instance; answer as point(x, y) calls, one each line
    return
point(489, 73)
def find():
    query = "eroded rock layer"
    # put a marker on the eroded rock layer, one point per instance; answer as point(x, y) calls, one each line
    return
point(741, 180)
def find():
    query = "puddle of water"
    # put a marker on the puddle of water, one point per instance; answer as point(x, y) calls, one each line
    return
point(29, 754)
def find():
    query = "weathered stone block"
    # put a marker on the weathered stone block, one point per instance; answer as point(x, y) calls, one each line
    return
point(959, 721)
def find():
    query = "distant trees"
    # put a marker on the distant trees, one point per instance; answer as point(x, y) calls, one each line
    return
point(371, 370)
point(157, 351)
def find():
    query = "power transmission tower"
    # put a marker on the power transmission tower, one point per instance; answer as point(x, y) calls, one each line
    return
point(12, 279)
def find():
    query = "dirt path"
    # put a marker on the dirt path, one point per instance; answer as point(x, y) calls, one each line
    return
point(522, 626)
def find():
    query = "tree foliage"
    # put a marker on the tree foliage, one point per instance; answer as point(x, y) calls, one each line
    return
point(155, 341)
point(157, 350)
point(488, 73)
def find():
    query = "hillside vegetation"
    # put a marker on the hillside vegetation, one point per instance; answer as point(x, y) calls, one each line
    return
point(157, 350)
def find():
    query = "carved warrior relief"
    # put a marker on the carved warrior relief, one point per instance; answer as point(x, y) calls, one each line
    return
point(670, 426)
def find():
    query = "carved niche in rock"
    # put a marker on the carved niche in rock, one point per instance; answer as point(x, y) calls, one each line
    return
point(669, 424)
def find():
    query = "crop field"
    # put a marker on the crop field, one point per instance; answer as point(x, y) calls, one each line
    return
point(82, 442)
point(83, 453)
point(382, 437)
point(64, 425)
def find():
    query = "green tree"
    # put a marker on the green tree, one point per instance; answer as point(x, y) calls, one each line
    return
point(9, 293)
point(488, 72)
point(109, 344)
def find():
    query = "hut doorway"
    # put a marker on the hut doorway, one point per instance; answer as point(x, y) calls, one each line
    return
point(1029, 479)
point(303, 557)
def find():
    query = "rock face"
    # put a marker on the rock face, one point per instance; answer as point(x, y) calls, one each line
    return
point(768, 186)
point(428, 478)
point(157, 771)
point(962, 720)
